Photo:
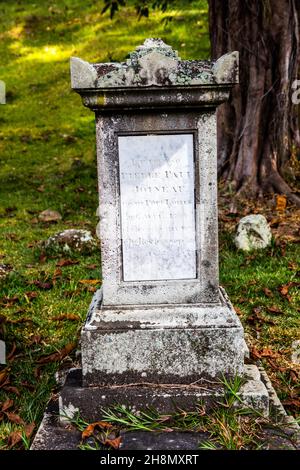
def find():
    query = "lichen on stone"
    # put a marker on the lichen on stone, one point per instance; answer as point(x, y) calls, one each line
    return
point(71, 241)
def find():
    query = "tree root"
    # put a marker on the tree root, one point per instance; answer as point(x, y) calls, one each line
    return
point(273, 184)
point(281, 187)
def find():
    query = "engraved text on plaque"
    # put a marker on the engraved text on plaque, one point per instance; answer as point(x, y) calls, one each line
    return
point(157, 207)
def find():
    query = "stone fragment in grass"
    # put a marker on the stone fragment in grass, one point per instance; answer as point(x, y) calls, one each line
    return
point(296, 352)
point(71, 241)
point(49, 216)
point(253, 233)
point(5, 269)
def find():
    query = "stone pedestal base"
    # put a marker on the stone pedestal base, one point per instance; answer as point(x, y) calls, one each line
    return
point(89, 401)
point(162, 344)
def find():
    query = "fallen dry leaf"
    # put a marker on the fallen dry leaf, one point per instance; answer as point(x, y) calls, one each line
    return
point(258, 318)
point(281, 203)
point(27, 385)
point(293, 266)
point(28, 429)
point(294, 375)
point(71, 293)
point(274, 309)
point(275, 366)
point(238, 311)
point(7, 404)
point(21, 320)
point(12, 236)
point(9, 301)
point(92, 266)
point(56, 275)
point(90, 429)
point(4, 377)
point(92, 289)
point(66, 316)
point(42, 257)
point(265, 352)
point(11, 389)
point(285, 288)
point(41, 285)
point(14, 438)
point(14, 418)
point(90, 281)
point(114, 443)
point(292, 402)
point(57, 356)
point(268, 292)
point(66, 262)
point(164, 418)
point(35, 339)
point(12, 352)
point(29, 296)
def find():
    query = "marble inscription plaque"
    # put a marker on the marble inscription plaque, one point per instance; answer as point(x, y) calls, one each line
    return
point(157, 207)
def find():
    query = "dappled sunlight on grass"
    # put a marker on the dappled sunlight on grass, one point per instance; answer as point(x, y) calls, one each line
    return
point(47, 54)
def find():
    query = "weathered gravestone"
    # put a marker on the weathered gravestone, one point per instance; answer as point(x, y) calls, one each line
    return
point(160, 317)
point(160, 322)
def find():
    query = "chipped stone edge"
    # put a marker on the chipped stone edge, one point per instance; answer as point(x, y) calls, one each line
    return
point(42, 432)
point(226, 68)
point(278, 407)
point(83, 74)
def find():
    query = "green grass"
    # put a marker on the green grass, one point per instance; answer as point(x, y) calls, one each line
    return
point(47, 161)
point(266, 269)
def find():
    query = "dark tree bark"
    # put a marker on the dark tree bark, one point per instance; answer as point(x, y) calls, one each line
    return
point(258, 130)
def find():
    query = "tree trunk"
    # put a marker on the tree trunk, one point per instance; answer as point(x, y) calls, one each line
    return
point(258, 130)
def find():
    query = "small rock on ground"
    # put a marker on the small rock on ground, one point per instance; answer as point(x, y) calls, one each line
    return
point(49, 216)
point(253, 233)
point(296, 352)
point(5, 269)
point(71, 241)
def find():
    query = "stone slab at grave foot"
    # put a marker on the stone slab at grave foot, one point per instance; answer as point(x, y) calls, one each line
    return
point(160, 332)
point(281, 432)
